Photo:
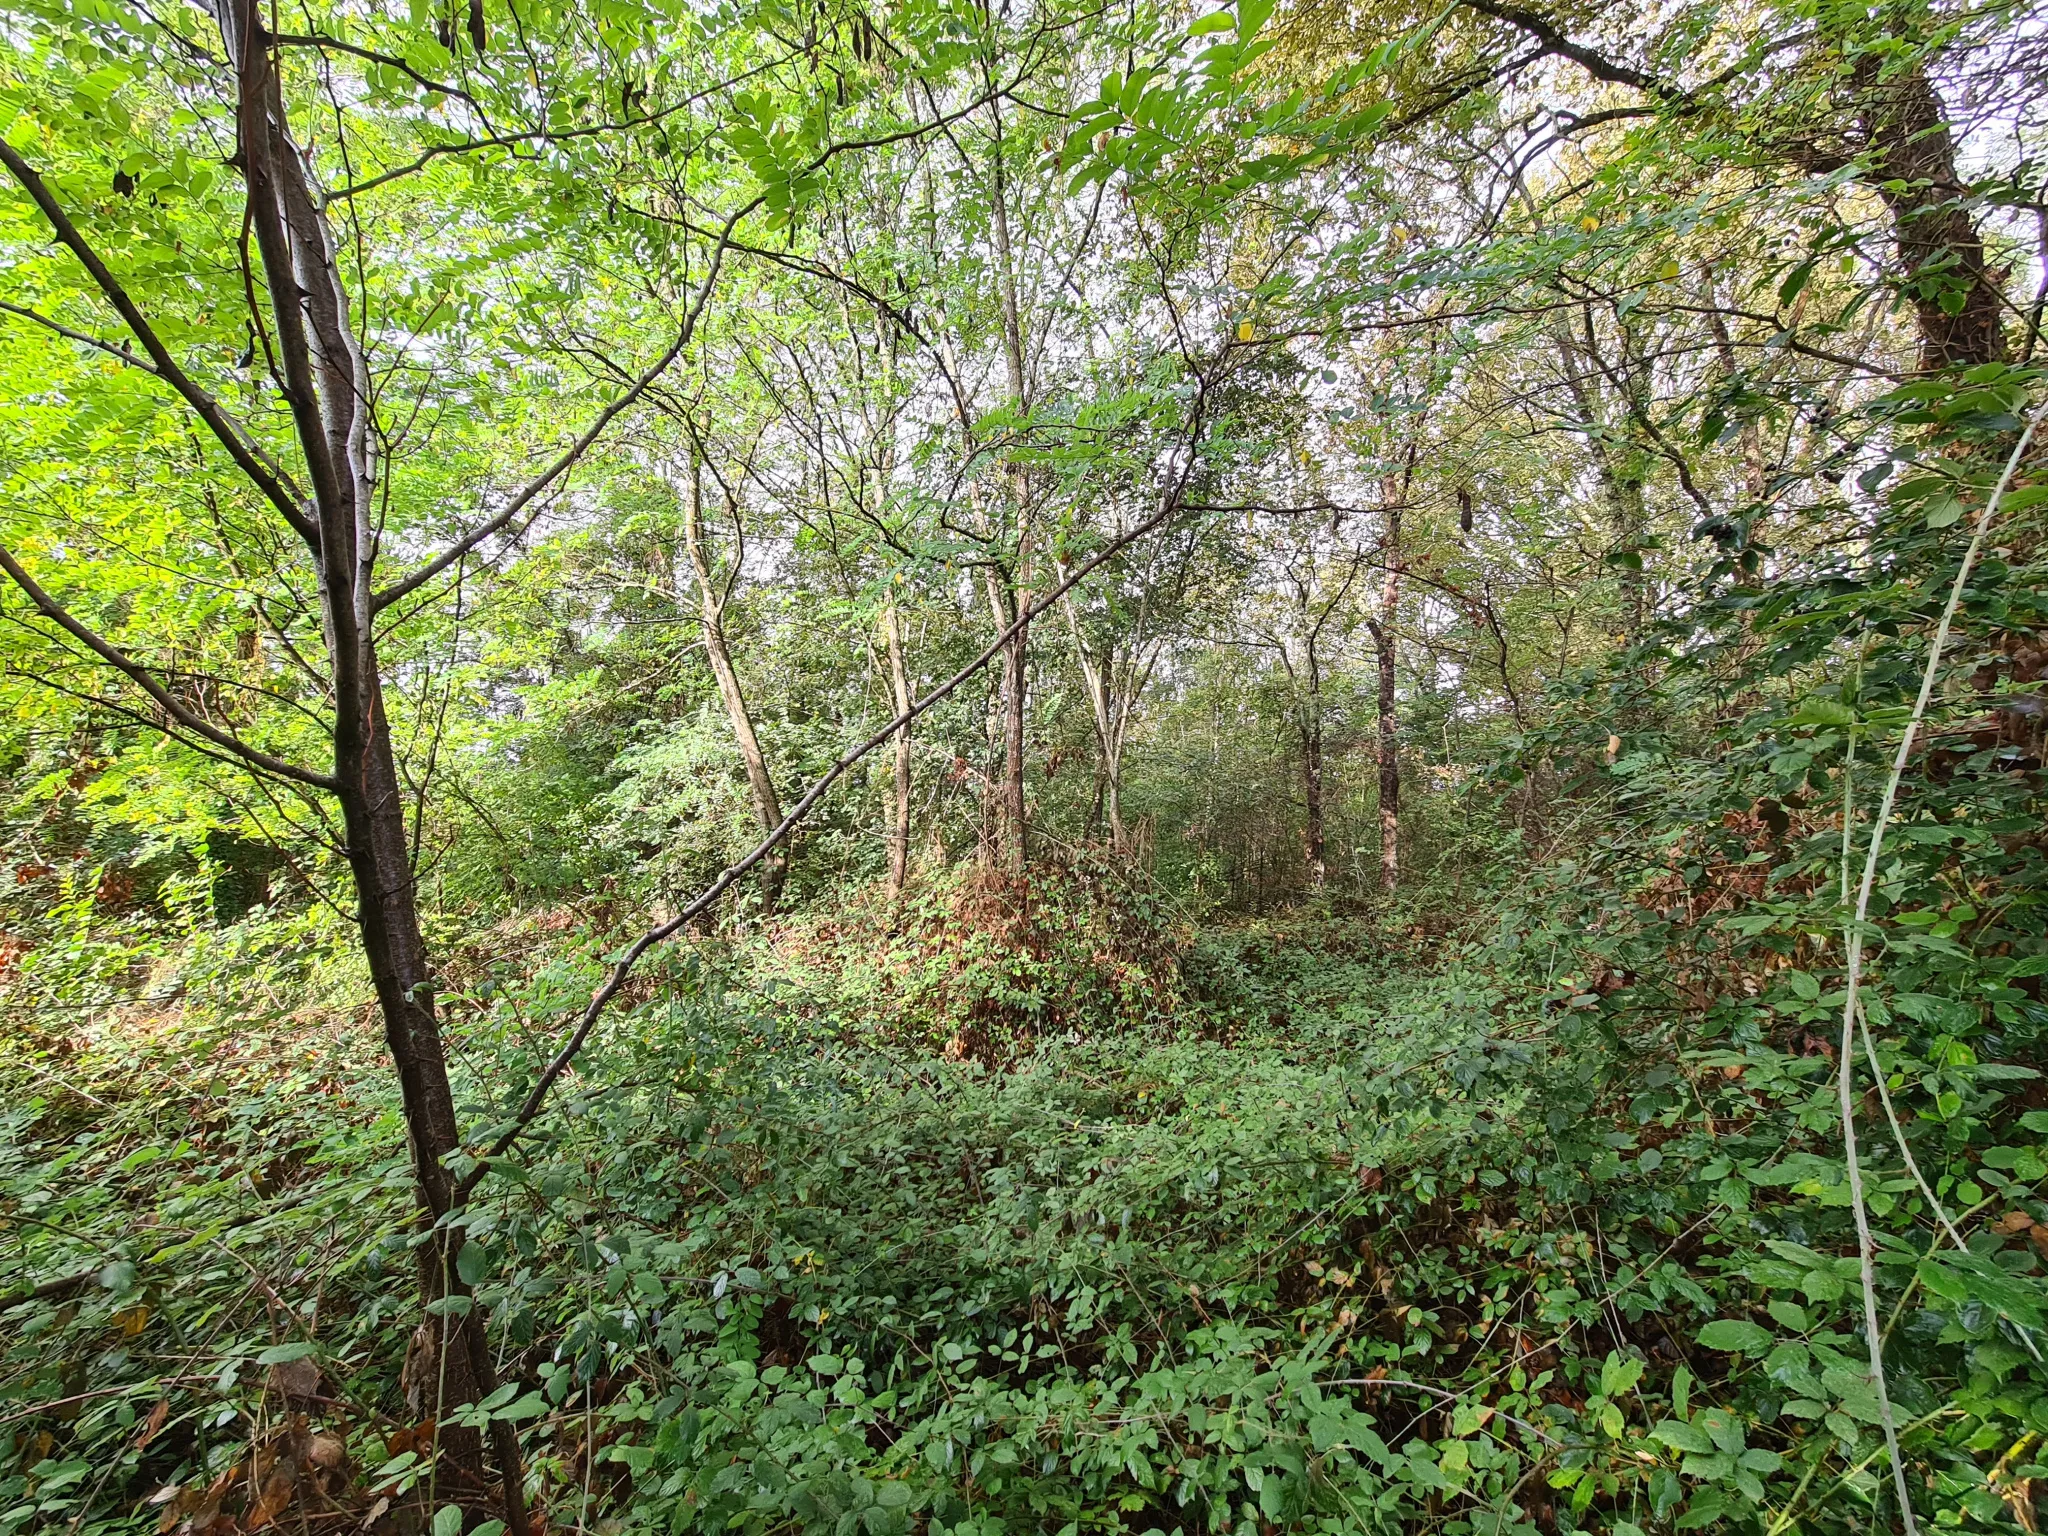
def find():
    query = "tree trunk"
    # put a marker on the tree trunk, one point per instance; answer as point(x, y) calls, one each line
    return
point(1312, 846)
point(1016, 655)
point(1394, 492)
point(760, 785)
point(899, 693)
point(1389, 745)
point(1621, 486)
point(327, 387)
point(1940, 250)
point(1097, 676)
point(1309, 723)
point(1006, 601)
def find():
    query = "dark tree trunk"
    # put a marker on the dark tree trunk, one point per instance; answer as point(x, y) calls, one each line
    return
point(327, 387)
point(1312, 847)
point(1389, 755)
point(1941, 253)
point(1309, 723)
point(1394, 492)
point(899, 817)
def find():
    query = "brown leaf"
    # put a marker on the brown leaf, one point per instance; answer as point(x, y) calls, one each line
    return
point(154, 1422)
point(2012, 1222)
point(327, 1451)
point(277, 1494)
point(295, 1379)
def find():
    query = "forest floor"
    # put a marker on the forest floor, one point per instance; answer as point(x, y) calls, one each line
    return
point(1338, 1232)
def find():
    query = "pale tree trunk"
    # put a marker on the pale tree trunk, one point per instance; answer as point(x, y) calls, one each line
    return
point(899, 693)
point(1014, 854)
point(1006, 600)
point(327, 387)
point(1095, 676)
point(711, 599)
point(1111, 708)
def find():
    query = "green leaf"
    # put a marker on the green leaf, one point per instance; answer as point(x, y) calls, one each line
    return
point(1943, 511)
point(1681, 1436)
point(284, 1354)
point(448, 1520)
point(1736, 1336)
point(1816, 710)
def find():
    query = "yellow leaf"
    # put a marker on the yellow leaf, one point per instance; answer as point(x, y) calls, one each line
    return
point(1589, 223)
point(1244, 330)
point(1668, 271)
point(132, 1320)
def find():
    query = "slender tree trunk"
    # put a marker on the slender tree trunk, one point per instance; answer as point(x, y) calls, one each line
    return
point(1309, 722)
point(899, 693)
point(327, 388)
point(1096, 676)
point(1621, 487)
point(1006, 600)
point(760, 785)
point(1395, 493)
point(1016, 655)
point(1389, 753)
point(1016, 665)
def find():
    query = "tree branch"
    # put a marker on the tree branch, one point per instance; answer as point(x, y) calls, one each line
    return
point(138, 674)
point(267, 477)
point(1598, 65)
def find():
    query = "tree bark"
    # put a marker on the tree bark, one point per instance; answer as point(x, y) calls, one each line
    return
point(711, 599)
point(899, 694)
point(1621, 486)
point(1940, 250)
point(1007, 599)
point(1098, 676)
point(1394, 492)
point(1015, 854)
point(1388, 746)
point(1309, 725)
point(327, 387)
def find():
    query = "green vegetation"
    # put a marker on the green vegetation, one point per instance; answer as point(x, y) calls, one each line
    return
point(946, 771)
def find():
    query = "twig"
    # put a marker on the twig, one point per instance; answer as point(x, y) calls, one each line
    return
point(1845, 1077)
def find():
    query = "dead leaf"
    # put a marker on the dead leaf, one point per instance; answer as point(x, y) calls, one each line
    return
point(327, 1451)
point(2012, 1222)
point(291, 1379)
point(154, 1422)
point(277, 1494)
point(132, 1320)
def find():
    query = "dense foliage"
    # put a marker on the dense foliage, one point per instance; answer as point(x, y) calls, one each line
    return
point(967, 770)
